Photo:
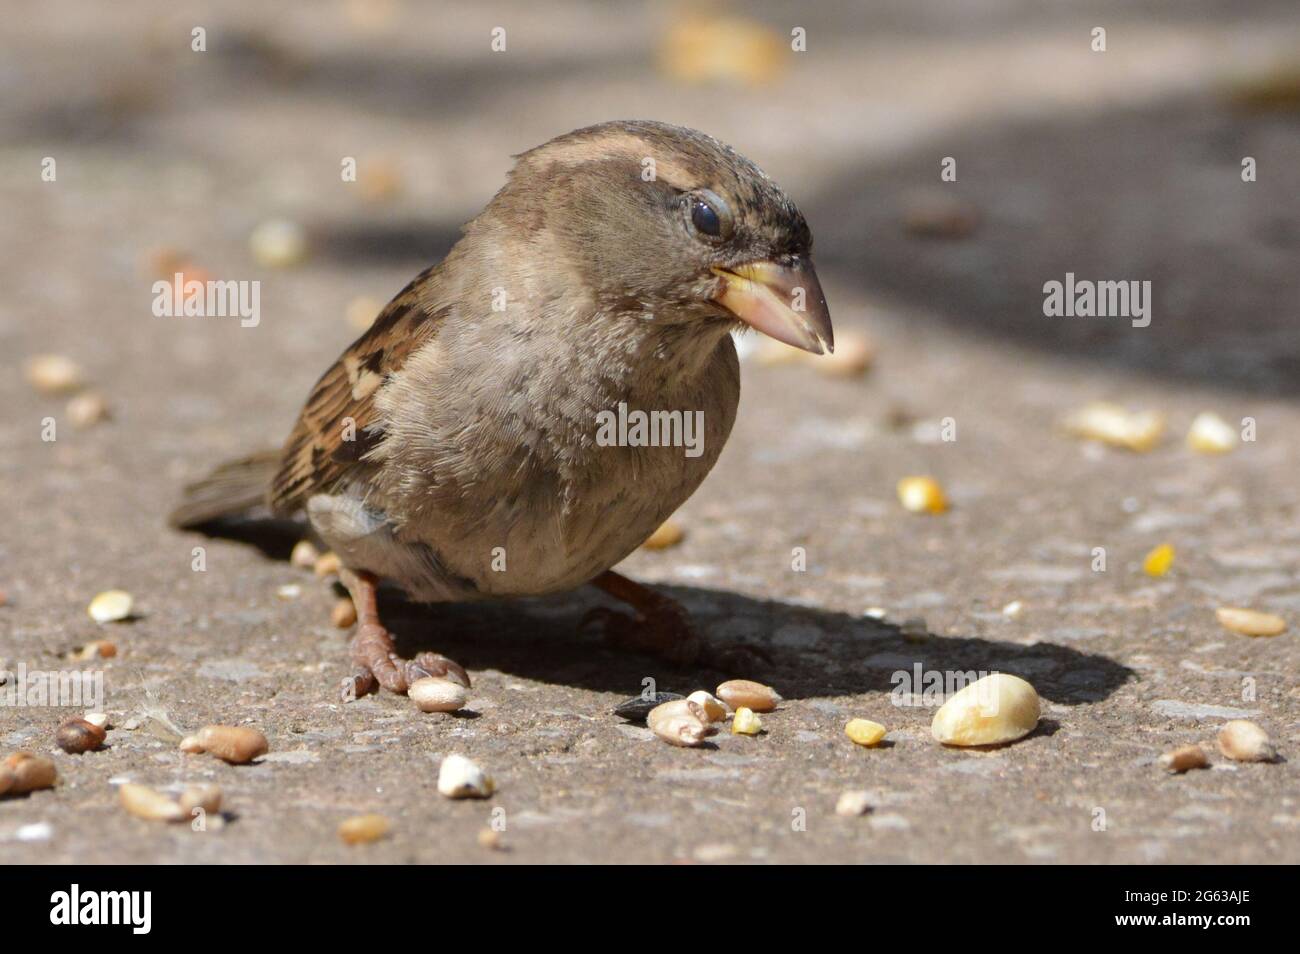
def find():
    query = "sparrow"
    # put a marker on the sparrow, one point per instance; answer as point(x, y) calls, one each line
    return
point(452, 450)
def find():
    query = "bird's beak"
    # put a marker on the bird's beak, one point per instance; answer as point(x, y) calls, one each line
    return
point(782, 301)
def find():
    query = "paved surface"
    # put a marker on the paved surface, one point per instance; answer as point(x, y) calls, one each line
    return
point(1123, 165)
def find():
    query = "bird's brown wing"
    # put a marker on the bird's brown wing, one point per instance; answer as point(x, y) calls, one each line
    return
point(338, 425)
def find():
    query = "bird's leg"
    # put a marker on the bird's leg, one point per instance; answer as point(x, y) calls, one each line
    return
point(374, 655)
point(661, 627)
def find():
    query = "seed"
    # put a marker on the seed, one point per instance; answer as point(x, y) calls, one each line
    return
point(990, 711)
point(638, 707)
point(458, 777)
point(1243, 741)
point(278, 243)
point(852, 804)
point(304, 554)
point(1117, 426)
point(852, 357)
point(99, 719)
point(54, 374)
point(329, 564)
point(1249, 622)
point(87, 410)
point(77, 736)
point(921, 495)
point(1184, 758)
point(235, 744)
point(344, 614)
point(1211, 434)
point(110, 606)
point(490, 838)
point(669, 534)
point(714, 709)
point(680, 722)
point(1013, 609)
point(363, 829)
point(23, 772)
point(432, 694)
point(745, 722)
point(289, 591)
point(1159, 560)
point(143, 802)
point(865, 732)
point(206, 797)
point(751, 695)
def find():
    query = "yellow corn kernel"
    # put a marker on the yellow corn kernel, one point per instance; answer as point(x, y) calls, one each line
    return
point(746, 722)
point(1159, 560)
point(1211, 434)
point(865, 732)
point(921, 495)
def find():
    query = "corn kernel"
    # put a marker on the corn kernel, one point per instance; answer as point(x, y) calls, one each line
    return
point(1159, 560)
point(746, 722)
point(669, 534)
point(921, 495)
point(1117, 426)
point(1211, 434)
point(865, 732)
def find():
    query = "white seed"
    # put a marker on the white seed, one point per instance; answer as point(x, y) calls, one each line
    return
point(852, 804)
point(1117, 426)
point(363, 829)
point(87, 410)
point(751, 695)
point(278, 243)
point(110, 606)
point(680, 722)
point(1250, 622)
point(990, 711)
point(864, 732)
point(143, 802)
point(1013, 609)
point(714, 709)
point(304, 554)
point(54, 374)
point(235, 744)
point(432, 694)
point(1184, 759)
point(458, 777)
point(1211, 434)
point(206, 797)
point(745, 722)
point(97, 718)
point(329, 564)
point(1243, 741)
point(190, 745)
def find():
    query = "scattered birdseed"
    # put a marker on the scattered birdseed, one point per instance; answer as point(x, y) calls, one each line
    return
point(1117, 426)
point(714, 709)
point(23, 772)
point(54, 374)
point(745, 722)
point(751, 695)
point(206, 797)
point(289, 591)
point(77, 736)
point(363, 829)
point(304, 554)
point(1012, 609)
point(87, 410)
point(669, 534)
point(1244, 741)
point(638, 707)
point(144, 802)
point(328, 565)
point(278, 243)
point(853, 804)
point(458, 777)
point(95, 649)
point(680, 722)
point(235, 744)
point(1211, 434)
point(490, 839)
point(99, 719)
point(344, 613)
point(1184, 759)
point(921, 495)
point(865, 732)
point(110, 606)
point(432, 694)
point(1159, 560)
point(996, 709)
point(1250, 622)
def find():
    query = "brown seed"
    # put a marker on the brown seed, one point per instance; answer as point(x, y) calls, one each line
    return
point(144, 802)
point(1243, 741)
point(235, 744)
point(751, 695)
point(363, 829)
point(344, 614)
point(1184, 759)
point(432, 694)
point(681, 722)
point(77, 736)
point(328, 565)
point(23, 772)
point(206, 797)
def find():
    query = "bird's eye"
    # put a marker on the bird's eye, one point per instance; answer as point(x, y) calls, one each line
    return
point(709, 215)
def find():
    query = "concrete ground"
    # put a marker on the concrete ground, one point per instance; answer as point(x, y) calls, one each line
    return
point(1122, 165)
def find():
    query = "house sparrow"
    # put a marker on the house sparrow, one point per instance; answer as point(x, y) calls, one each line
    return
point(453, 448)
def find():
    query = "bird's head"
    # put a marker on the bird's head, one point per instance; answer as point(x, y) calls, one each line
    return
point(672, 223)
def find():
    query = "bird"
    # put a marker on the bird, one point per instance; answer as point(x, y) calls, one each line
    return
point(453, 449)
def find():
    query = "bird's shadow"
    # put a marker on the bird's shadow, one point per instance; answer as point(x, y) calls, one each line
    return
point(811, 652)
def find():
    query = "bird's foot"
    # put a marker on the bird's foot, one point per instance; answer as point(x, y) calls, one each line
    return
point(376, 663)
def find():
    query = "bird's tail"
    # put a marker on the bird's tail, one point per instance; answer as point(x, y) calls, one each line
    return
point(235, 489)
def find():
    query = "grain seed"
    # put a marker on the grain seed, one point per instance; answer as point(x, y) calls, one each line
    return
point(1244, 741)
point(54, 374)
point(458, 777)
point(344, 614)
point(77, 736)
point(921, 495)
point(236, 744)
point(864, 732)
point(990, 711)
point(745, 722)
point(638, 707)
point(714, 709)
point(23, 772)
point(432, 694)
point(751, 695)
point(853, 804)
point(680, 722)
point(110, 606)
point(206, 796)
point(1250, 622)
point(363, 829)
point(304, 554)
point(144, 802)
point(1184, 759)
point(1211, 434)
point(669, 534)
